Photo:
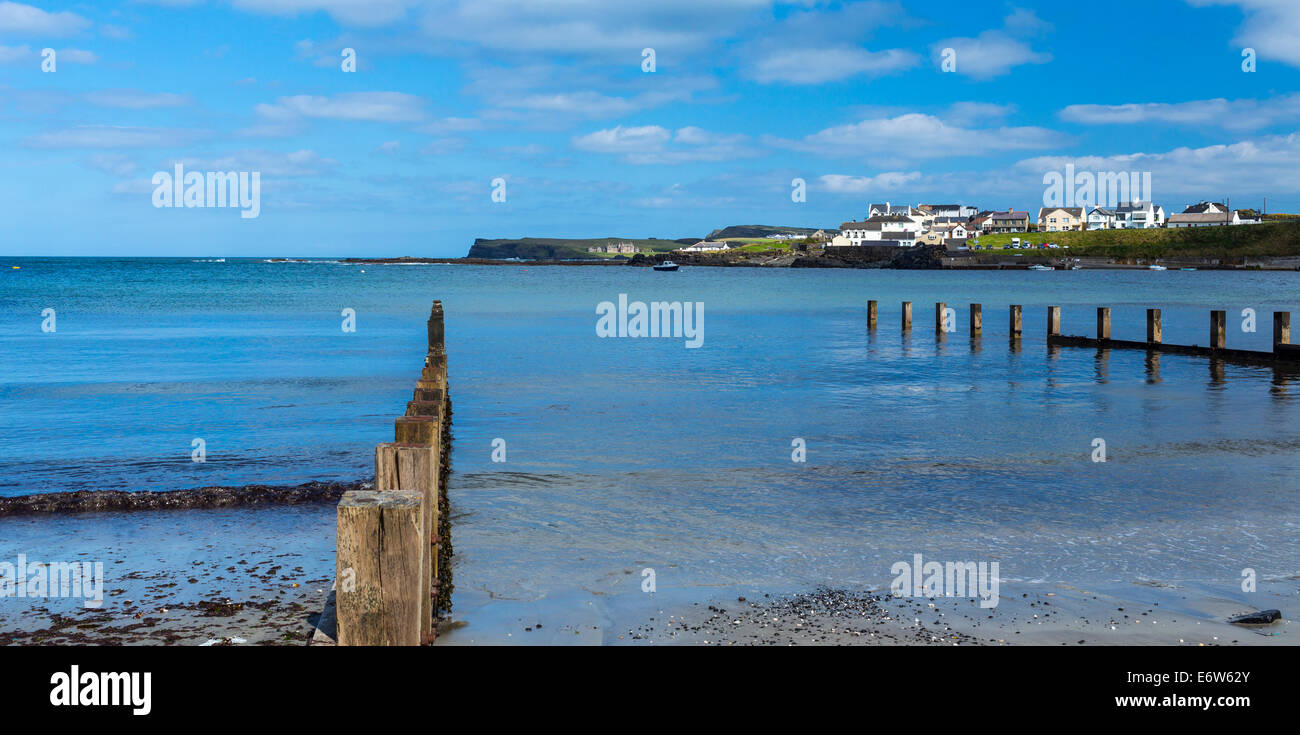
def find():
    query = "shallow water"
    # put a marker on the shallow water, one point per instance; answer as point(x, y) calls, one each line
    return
point(625, 454)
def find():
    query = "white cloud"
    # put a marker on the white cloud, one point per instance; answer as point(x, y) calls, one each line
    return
point(269, 163)
point(883, 182)
point(652, 144)
point(1258, 166)
point(443, 146)
point(116, 33)
point(974, 113)
point(624, 140)
point(76, 56)
point(115, 164)
point(106, 136)
point(1271, 27)
point(917, 135)
point(392, 107)
point(828, 46)
point(349, 12)
point(800, 65)
point(1242, 114)
point(29, 20)
point(995, 52)
point(135, 99)
point(15, 54)
point(447, 125)
point(592, 27)
point(554, 96)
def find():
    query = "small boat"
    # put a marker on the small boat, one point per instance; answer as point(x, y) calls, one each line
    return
point(667, 265)
point(1157, 268)
point(1041, 268)
point(1186, 269)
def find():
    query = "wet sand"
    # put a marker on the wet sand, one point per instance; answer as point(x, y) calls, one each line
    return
point(177, 577)
point(260, 575)
point(1027, 614)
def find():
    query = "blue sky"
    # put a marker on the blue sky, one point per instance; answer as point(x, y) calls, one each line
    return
point(398, 157)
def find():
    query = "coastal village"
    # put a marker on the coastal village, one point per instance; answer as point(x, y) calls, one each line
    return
point(958, 227)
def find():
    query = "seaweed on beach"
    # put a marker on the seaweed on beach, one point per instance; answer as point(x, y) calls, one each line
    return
point(88, 501)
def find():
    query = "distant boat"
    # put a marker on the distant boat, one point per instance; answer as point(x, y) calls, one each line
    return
point(667, 265)
point(1041, 268)
point(1157, 268)
point(1186, 269)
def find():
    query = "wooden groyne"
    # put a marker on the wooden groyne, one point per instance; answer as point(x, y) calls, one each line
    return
point(394, 574)
point(1283, 351)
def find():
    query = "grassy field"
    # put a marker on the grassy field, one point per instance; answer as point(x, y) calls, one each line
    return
point(758, 244)
point(1270, 238)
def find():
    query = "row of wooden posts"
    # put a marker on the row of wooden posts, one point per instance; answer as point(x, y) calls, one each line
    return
point(1282, 350)
point(394, 577)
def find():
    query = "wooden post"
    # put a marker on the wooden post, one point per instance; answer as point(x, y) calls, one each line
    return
point(1103, 323)
point(976, 320)
point(414, 468)
point(871, 315)
point(436, 338)
point(1218, 330)
point(424, 408)
point(428, 395)
point(425, 430)
point(907, 316)
point(939, 306)
point(1015, 321)
point(1281, 328)
point(1153, 326)
point(1053, 321)
point(379, 551)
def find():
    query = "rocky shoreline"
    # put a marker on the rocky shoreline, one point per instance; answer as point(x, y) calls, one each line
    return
point(921, 257)
point(85, 501)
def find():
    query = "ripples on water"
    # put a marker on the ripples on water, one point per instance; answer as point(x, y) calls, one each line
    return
point(627, 453)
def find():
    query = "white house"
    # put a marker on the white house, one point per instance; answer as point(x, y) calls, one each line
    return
point(1139, 216)
point(704, 246)
point(948, 231)
point(1205, 214)
point(1101, 218)
point(881, 230)
point(899, 210)
point(1206, 208)
point(1204, 219)
point(962, 211)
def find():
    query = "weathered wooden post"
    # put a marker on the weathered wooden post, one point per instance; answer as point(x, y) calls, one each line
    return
point(976, 320)
point(871, 315)
point(1053, 321)
point(392, 574)
point(1281, 329)
point(907, 316)
point(1153, 326)
point(1103, 323)
point(1218, 330)
point(417, 430)
point(379, 550)
point(1015, 322)
point(414, 468)
point(436, 336)
point(939, 306)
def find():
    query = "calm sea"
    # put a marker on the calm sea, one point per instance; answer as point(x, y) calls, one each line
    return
point(623, 454)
